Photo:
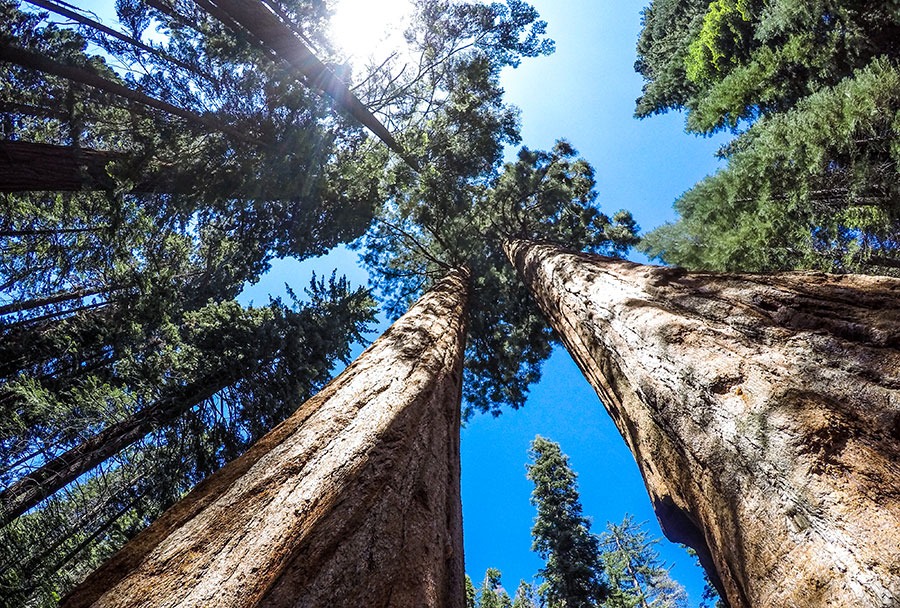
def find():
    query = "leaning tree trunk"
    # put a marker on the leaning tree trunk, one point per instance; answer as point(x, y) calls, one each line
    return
point(353, 500)
point(56, 473)
point(763, 412)
point(262, 23)
point(29, 167)
point(35, 61)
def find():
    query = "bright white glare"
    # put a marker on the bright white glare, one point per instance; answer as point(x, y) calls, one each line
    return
point(366, 29)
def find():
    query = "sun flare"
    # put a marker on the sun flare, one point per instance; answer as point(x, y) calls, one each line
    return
point(369, 28)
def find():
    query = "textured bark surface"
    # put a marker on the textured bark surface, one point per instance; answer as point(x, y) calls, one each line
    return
point(763, 412)
point(352, 501)
point(27, 167)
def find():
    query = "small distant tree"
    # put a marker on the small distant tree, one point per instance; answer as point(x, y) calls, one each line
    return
point(573, 570)
point(492, 594)
point(637, 576)
point(526, 596)
point(470, 593)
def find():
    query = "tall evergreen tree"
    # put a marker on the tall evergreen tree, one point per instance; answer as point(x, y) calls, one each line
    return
point(573, 570)
point(188, 176)
point(811, 90)
point(637, 577)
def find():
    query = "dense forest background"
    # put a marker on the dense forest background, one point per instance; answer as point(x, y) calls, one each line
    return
point(146, 184)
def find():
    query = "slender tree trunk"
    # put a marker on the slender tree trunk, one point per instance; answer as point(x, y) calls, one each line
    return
point(32, 321)
point(47, 231)
point(56, 298)
point(166, 8)
point(763, 412)
point(33, 563)
point(66, 468)
point(353, 500)
point(642, 597)
point(96, 25)
point(34, 61)
point(85, 543)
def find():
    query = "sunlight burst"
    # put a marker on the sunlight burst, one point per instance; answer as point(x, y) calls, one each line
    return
point(366, 28)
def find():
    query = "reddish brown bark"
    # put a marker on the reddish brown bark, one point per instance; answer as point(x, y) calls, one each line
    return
point(26, 166)
point(353, 500)
point(56, 298)
point(30, 167)
point(763, 412)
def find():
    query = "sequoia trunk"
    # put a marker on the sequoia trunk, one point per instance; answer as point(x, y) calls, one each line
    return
point(763, 412)
point(353, 500)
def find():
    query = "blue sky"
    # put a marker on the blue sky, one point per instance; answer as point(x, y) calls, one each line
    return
point(585, 93)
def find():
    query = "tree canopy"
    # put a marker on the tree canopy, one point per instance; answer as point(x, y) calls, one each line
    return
point(810, 91)
point(146, 179)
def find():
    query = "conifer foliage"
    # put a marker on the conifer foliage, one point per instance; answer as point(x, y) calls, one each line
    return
point(637, 576)
point(143, 184)
point(810, 89)
point(491, 594)
point(147, 173)
point(574, 569)
point(617, 569)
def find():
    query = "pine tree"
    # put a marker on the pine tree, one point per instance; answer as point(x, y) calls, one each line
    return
point(637, 577)
point(573, 571)
point(453, 217)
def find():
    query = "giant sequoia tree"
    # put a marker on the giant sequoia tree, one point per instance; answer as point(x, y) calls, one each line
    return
point(148, 435)
point(181, 183)
point(811, 90)
point(135, 208)
point(356, 495)
point(761, 410)
point(137, 204)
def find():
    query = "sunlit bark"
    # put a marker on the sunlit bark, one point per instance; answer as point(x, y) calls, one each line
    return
point(352, 501)
point(763, 412)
